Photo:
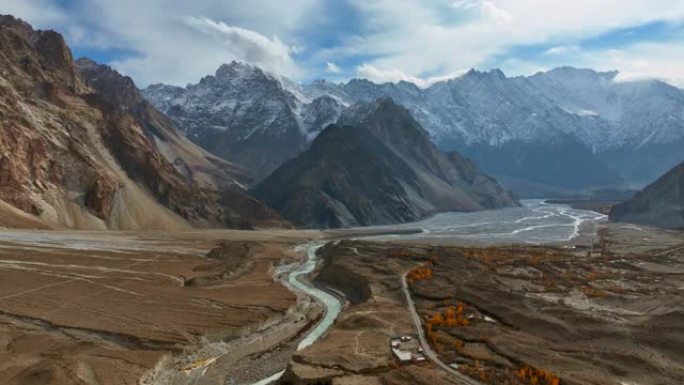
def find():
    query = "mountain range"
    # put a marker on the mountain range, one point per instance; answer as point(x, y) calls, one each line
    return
point(553, 133)
point(376, 166)
point(82, 147)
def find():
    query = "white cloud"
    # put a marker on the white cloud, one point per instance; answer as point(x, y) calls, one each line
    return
point(332, 68)
point(427, 37)
point(465, 5)
point(642, 61)
point(371, 72)
point(407, 39)
point(376, 74)
point(38, 12)
point(491, 11)
point(562, 50)
point(246, 45)
point(637, 62)
point(171, 42)
point(198, 46)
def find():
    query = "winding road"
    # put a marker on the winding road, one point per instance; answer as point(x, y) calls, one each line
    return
point(429, 353)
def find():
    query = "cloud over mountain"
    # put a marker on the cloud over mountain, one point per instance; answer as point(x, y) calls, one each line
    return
point(419, 41)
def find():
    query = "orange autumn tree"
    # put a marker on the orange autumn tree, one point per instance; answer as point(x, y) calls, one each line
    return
point(455, 316)
point(419, 273)
point(533, 376)
point(437, 319)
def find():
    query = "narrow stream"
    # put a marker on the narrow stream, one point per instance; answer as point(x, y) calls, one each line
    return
point(332, 305)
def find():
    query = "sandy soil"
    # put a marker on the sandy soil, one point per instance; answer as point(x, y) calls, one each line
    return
point(105, 308)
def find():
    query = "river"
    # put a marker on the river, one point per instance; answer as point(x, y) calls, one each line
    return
point(332, 305)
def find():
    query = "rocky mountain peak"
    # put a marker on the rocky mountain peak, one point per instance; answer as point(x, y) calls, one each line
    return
point(44, 51)
point(360, 82)
point(477, 76)
point(113, 87)
point(382, 108)
point(240, 70)
point(318, 114)
point(361, 86)
point(17, 25)
point(584, 110)
point(574, 74)
point(376, 166)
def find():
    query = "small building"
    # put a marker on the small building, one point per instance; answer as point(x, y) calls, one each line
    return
point(407, 349)
point(402, 355)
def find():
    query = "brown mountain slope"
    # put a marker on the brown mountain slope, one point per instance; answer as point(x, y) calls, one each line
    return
point(377, 167)
point(88, 154)
point(659, 204)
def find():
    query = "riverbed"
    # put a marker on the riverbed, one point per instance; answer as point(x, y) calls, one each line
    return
point(535, 222)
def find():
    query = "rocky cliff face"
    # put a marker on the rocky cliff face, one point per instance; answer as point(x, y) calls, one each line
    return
point(659, 204)
point(377, 167)
point(80, 148)
point(188, 159)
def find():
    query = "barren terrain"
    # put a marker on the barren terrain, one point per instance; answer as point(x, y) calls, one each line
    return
point(208, 307)
point(509, 315)
point(104, 308)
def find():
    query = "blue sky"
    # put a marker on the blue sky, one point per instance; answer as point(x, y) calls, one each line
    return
point(178, 41)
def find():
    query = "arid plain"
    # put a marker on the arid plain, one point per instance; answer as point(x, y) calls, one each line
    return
point(209, 307)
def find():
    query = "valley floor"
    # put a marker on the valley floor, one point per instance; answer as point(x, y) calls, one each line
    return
point(208, 307)
point(545, 315)
point(110, 308)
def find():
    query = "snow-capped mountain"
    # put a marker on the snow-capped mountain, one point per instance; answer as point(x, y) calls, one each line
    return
point(488, 107)
point(246, 115)
point(633, 129)
point(568, 128)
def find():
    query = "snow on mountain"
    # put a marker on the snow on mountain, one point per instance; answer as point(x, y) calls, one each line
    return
point(632, 127)
point(565, 106)
point(246, 115)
